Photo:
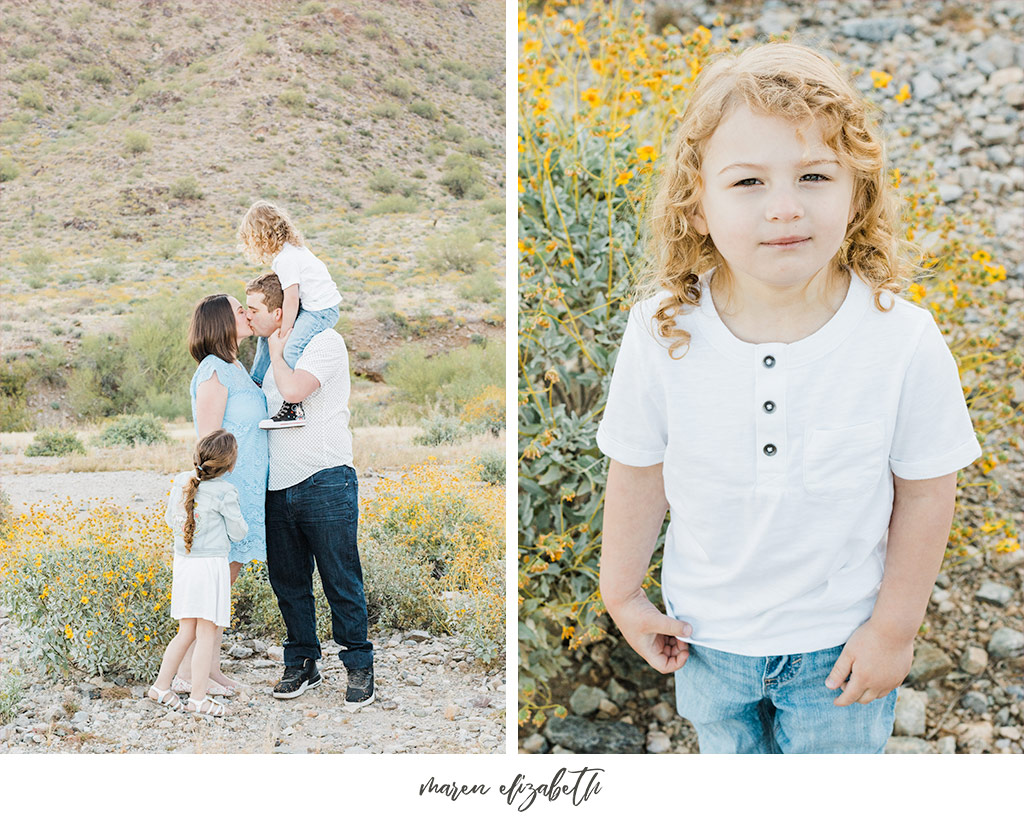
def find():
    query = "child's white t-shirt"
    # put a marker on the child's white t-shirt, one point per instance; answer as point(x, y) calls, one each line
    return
point(778, 462)
point(296, 264)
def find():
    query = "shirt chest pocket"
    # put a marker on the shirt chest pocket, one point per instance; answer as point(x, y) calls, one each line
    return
point(843, 462)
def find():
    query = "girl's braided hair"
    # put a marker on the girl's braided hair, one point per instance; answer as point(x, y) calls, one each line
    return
point(214, 456)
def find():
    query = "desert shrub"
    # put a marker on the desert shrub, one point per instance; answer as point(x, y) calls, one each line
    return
point(433, 546)
point(485, 412)
point(384, 181)
point(186, 188)
point(584, 179)
point(54, 442)
point(461, 250)
point(398, 87)
point(450, 378)
point(490, 467)
point(481, 286)
point(12, 690)
point(477, 146)
point(98, 74)
point(168, 247)
point(33, 71)
point(484, 90)
point(14, 415)
point(254, 609)
point(257, 44)
point(36, 260)
point(394, 203)
point(293, 99)
point(6, 512)
point(424, 109)
point(311, 8)
point(323, 45)
point(455, 132)
point(438, 430)
point(386, 110)
point(462, 177)
point(8, 169)
point(31, 97)
point(93, 590)
point(132, 430)
point(137, 142)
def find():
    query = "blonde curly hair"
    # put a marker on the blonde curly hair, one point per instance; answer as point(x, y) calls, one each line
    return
point(264, 230)
point(799, 84)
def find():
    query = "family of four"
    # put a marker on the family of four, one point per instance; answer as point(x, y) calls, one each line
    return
point(279, 489)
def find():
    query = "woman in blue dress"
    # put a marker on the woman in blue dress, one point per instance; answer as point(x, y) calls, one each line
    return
point(225, 397)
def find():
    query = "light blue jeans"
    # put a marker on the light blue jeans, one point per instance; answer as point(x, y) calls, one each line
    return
point(776, 704)
point(307, 324)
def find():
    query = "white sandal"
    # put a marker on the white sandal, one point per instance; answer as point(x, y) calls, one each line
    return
point(179, 684)
point(165, 698)
point(215, 709)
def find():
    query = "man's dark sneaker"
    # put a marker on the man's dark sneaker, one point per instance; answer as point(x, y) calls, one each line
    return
point(290, 415)
point(297, 680)
point(360, 688)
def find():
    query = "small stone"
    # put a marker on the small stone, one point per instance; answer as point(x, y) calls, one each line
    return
point(975, 702)
point(925, 86)
point(906, 745)
point(238, 651)
point(946, 745)
point(413, 680)
point(975, 737)
point(911, 708)
point(998, 133)
point(275, 654)
point(608, 707)
point(618, 693)
point(418, 636)
point(664, 712)
point(658, 742)
point(929, 663)
point(939, 595)
point(994, 593)
point(949, 192)
point(1005, 561)
point(974, 660)
point(579, 735)
point(586, 700)
point(534, 743)
point(1006, 643)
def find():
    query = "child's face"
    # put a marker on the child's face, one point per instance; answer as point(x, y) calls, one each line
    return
point(776, 203)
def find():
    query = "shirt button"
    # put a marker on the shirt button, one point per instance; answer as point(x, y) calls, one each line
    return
point(768, 361)
point(769, 406)
point(769, 449)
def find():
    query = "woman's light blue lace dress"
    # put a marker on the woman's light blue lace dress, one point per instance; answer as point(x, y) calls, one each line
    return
point(246, 407)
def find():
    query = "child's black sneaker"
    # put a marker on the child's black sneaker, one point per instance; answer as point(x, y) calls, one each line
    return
point(360, 688)
point(290, 414)
point(297, 680)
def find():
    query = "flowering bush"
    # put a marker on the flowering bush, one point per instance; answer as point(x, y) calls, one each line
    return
point(598, 96)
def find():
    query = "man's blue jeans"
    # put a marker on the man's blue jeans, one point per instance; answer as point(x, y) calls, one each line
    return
point(315, 521)
point(776, 704)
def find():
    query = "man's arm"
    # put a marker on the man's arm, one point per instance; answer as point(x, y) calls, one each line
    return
point(634, 509)
point(295, 385)
point(878, 655)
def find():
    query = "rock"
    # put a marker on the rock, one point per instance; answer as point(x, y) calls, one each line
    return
point(582, 736)
point(1005, 77)
point(974, 660)
point(275, 654)
point(992, 592)
point(586, 699)
point(417, 635)
point(534, 743)
point(1006, 561)
point(946, 745)
point(929, 663)
point(975, 702)
point(950, 192)
point(413, 680)
point(998, 51)
point(90, 691)
point(658, 742)
point(238, 651)
point(925, 86)
point(962, 144)
point(608, 707)
point(975, 737)
point(910, 712)
point(875, 30)
point(905, 745)
point(998, 133)
point(617, 693)
point(1006, 643)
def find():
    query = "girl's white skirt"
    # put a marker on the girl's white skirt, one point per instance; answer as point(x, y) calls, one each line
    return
point(201, 588)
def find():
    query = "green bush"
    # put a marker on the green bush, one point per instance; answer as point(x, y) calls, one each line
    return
point(450, 378)
point(98, 74)
point(12, 690)
point(461, 250)
point(424, 109)
point(438, 430)
point(384, 181)
point(481, 286)
point(462, 177)
point(398, 87)
point(477, 147)
point(490, 467)
point(186, 188)
point(394, 203)
point(54, 442)
point(32, 98)
point(386, 110)
point(132, 430)
point(293, 99)
point(324, 45)
point(257, 44)
point(6, 512)
point(137, 142)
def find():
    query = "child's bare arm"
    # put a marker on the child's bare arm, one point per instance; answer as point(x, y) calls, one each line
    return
point(634, 510)
point(878, 655)
point(289, 307)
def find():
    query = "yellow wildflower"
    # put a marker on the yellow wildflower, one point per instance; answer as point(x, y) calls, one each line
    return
point(881, 79)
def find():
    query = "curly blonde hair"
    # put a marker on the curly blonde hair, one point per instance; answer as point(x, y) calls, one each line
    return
point(214, 455)
point(264, 230)
point(799, 84)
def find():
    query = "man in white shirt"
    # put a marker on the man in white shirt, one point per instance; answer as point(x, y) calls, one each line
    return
point(312, 503)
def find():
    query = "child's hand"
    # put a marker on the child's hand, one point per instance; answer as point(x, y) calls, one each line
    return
point(276, 341)
point(876, 663)
point(652, 633)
